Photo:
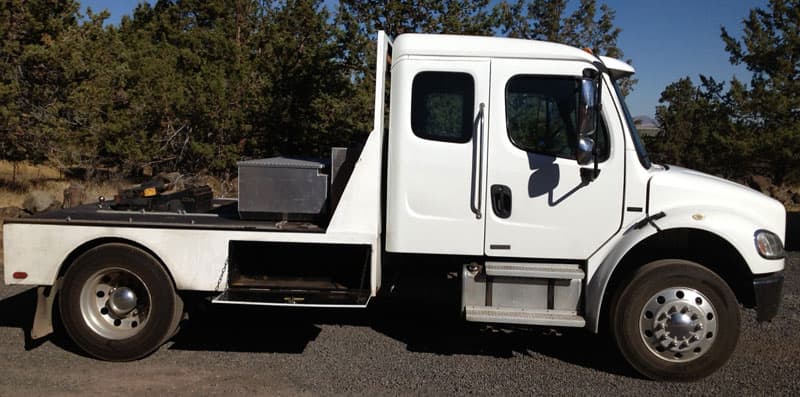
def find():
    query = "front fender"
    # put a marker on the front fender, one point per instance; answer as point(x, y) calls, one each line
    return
point(734, 227)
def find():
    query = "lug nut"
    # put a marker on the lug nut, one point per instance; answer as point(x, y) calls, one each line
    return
point(699, 327)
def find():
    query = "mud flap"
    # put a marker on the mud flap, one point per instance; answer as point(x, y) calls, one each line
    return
point(43, 318)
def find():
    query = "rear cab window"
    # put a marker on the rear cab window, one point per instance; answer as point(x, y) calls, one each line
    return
point(442, 104)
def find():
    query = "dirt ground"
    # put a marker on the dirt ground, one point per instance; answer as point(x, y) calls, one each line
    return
point(384, 350)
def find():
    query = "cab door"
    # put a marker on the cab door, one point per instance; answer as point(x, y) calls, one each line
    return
point(437, 156)
point(540, 207)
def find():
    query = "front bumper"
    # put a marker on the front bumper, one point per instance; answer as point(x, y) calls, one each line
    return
point(768, 293)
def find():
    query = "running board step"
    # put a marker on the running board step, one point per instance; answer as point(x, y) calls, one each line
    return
point(509, 315)
point(258, 297)
point(535, 270)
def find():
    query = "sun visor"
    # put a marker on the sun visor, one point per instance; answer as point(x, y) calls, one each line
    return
point(618, 68)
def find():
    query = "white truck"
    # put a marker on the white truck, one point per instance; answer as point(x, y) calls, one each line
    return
point(513, 164)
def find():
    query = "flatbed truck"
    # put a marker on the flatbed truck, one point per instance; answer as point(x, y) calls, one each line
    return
point(513, 164)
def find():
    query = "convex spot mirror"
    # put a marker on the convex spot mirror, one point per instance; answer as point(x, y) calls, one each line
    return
point(584, 154)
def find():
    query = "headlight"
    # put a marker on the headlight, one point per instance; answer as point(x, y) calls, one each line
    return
point(768, 245)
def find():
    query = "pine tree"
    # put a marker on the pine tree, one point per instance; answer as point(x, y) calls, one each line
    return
point(750, 129)
point(421, 16)
point(548, 20)
point(27, 29)
point(770, 107)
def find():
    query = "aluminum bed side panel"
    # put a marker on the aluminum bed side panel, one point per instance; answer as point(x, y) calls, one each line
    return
point(194, 258)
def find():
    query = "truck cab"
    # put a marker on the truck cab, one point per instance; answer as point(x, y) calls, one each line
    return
point(513, 164)
point(488, 158)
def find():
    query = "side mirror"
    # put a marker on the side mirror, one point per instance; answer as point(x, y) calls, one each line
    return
point(587, 119)
point(588, 113)
point(587, 108)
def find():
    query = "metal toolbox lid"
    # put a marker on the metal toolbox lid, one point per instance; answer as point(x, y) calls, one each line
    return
point(283, 162)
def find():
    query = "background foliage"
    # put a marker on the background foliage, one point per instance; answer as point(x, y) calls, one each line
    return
point(195, 85)
point(737, 129)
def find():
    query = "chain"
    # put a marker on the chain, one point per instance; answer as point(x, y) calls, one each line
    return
point(221, 273)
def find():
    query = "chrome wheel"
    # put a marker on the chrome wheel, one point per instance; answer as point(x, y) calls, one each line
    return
point(678, 324)
point(115, 303)
point(675, 320)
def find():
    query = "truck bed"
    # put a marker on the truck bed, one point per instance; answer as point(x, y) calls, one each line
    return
point(222, 216)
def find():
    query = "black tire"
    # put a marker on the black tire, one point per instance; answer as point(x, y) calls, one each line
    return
point(100, 328)
point(659, 340)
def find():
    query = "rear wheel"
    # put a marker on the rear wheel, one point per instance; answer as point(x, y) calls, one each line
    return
point(675, 320)
point(118, 303)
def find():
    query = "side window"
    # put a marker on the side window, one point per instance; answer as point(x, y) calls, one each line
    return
point(601, 140)
point(442, 104)
point(541, 116)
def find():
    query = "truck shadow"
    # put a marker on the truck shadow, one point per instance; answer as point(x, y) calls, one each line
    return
point(437, 330)
point(16, 310)
point(245, 329)
point(423, 329)
point(792, 231)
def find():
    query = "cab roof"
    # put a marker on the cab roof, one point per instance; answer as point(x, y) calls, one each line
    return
point(496, 47)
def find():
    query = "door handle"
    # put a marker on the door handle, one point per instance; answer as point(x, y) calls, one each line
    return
point(501, 200)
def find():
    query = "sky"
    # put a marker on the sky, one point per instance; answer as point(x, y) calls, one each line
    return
point(665, 39)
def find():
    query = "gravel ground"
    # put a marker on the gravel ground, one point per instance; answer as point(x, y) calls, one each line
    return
point(381, 351)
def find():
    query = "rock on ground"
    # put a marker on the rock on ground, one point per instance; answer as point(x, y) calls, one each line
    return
point(38, 201)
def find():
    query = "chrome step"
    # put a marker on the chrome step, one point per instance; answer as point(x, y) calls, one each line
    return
point(509, 315)
point(535, 270)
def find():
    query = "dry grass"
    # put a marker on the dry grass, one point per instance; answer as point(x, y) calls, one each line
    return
point(27, 172)
point(48, 179)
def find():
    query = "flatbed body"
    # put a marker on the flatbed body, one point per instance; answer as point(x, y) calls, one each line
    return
point(222, 216)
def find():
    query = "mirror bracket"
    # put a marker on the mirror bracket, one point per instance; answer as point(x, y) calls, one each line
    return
point(589, 174)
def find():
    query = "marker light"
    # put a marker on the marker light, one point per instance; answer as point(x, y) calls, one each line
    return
point(769, 245)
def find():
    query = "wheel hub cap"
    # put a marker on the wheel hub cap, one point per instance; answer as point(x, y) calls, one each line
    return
point(122, 301)
point(678, 324)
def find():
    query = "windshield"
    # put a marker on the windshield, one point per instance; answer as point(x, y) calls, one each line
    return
point(637, 140)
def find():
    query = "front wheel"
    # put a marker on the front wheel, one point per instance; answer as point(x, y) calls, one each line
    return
point(675, 320)
point(118, 303)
